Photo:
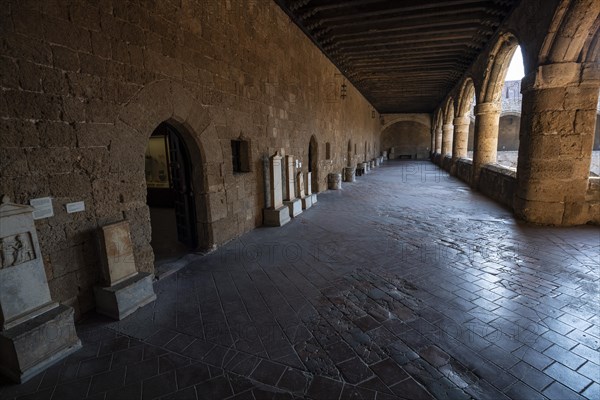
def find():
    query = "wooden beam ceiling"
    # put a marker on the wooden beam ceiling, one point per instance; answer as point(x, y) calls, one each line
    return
point(403, 55)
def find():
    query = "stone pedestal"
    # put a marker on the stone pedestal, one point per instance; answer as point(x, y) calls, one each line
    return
point(334, 181)
point(277, 214)
point(367, 167)
point(35, 332)
point(373, 164)
point(349, 174)
point(126, 290)
point(293, 203)
point(384, 154)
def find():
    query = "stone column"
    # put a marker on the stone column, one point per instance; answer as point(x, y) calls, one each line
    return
point(277, 214)
point(461, 137)
point(293, 203)
point(556, 139)
point(487, 119)
point(438, 140)
point(447, 139)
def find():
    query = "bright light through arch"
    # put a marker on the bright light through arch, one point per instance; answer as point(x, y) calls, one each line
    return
point(516, 71)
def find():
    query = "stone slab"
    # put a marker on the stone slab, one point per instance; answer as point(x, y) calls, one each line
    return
point(118, 259)
point(276, 190)
point(276, 217)
point(295, 207)
point(24, 293)
point(306, 202)
point(120, 300)
point(29, 348)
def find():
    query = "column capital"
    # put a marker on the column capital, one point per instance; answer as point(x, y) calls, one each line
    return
point(488, 108)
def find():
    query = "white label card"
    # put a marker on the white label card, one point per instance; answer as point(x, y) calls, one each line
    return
point(75, 207)
point(42, 207)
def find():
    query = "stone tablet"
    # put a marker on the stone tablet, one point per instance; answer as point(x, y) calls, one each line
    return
point(276, 188)
point(24, 291)
point(290, 165)
point(119, 262)
point(308, 183)
point(300, 184)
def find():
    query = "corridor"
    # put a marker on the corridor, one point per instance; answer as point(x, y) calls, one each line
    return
point(405, 284)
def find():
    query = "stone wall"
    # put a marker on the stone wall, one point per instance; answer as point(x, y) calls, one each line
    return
point(85, 83)
point(499, 183)
point(409, 134)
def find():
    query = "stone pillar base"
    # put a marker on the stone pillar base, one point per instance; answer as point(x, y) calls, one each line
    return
point(276, 217)
point(349, 174)
point(32, 346)
point(334, 181)
point(313, 198)
point(123, 298)
point(306, 202)
point(295, 207)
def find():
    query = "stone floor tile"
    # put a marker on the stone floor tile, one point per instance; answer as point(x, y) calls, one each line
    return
point(268, 372)
point(567, 377)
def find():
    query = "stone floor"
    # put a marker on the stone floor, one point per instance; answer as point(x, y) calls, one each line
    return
point(405, 284)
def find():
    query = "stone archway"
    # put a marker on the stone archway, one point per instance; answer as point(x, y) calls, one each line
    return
point(487, 112)
point(158, 102)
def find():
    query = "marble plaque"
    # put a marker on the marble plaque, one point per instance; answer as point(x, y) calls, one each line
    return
point(291, 177)
point(276, 187)
point(300, 184)
point(308, 183)
point(119, 262)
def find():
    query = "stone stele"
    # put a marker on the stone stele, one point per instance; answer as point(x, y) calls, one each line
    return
point(292, 202)
point(35, 332)
point(127, 288)
point(300, 189)
point(277, 214)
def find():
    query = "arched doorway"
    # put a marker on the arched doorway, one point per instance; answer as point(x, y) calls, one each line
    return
point(350, 163)
point(313, 163)
point(170, 194)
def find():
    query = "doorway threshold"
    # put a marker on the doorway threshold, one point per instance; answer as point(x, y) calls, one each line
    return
point(168, 266)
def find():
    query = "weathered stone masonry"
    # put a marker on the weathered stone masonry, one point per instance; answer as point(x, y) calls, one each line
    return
point(84, 84)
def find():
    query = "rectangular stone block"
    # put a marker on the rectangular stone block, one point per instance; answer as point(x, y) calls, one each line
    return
point(122, 299)
point(295, 207)
point(276, 217)
point(29, 348)
point(306, 202)
point(118, 258)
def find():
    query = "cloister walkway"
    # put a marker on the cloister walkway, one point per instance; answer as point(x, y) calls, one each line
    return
point(405, 284)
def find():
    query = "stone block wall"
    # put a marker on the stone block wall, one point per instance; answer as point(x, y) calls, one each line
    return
point(86, 82)
point(499, 183)
point(464, 169)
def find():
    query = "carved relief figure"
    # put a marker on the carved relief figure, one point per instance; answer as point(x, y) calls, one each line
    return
point(15, 250)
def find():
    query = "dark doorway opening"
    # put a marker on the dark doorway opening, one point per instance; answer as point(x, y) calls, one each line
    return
point(313, 164)
point(170, 195)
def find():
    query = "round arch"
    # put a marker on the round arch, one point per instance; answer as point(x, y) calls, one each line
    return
point(448, 127)
point(169, 102)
